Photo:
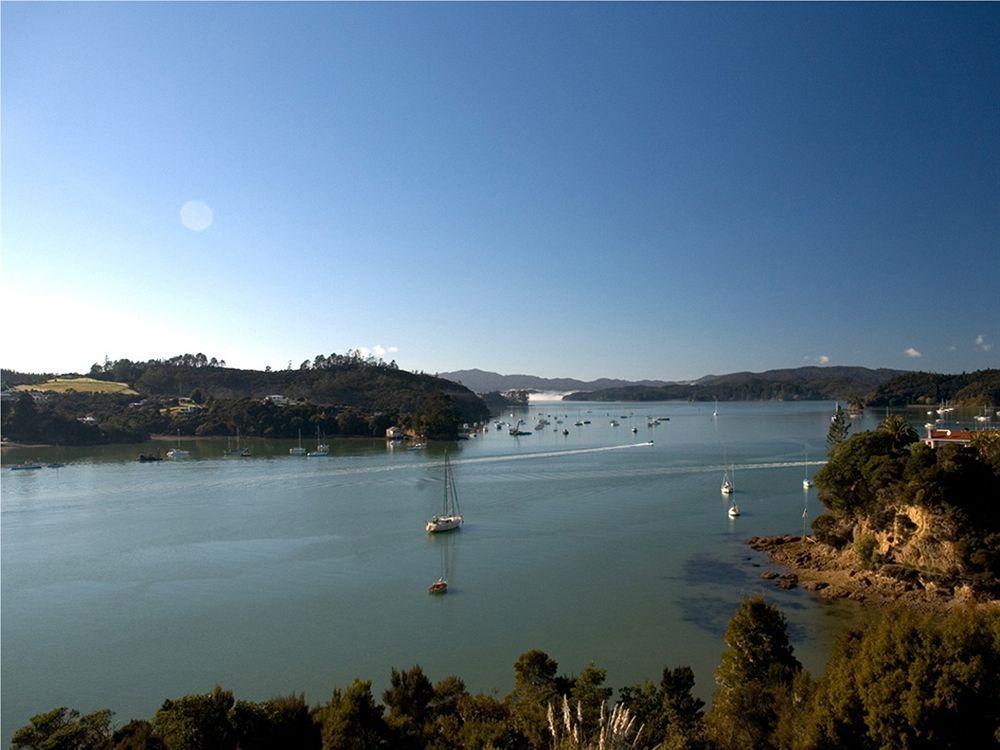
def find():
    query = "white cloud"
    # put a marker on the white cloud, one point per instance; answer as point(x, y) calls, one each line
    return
point(911, 352)
point(378, 350)
point(824, 359)
point(981, 343)
point(196, 216)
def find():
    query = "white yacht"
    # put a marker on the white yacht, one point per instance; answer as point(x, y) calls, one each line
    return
point(734, 510)
point(728, 488)
point(451, 516)
point(176, 454)
point(322, 449)
point(298, 450)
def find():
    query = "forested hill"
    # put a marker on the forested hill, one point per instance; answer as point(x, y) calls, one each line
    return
point(482, 381)
point(803, 383)
point(980, 388)
point(341, 380)
point(339, 394)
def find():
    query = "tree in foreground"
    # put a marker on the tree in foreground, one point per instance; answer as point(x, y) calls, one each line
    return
point(840, 425)
point(64, 729)
point(672, 715)
point(911, 680)
point(754, 678)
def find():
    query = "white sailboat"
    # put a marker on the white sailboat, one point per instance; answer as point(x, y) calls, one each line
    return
point(728, 483)
point(298, 450)
point(734, 510)
point(451, 516)
point(177, 453)
point(237, 451)
point(716, 412)
point(806, 481)
point(322, 449)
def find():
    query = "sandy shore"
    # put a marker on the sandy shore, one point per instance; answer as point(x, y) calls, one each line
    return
point(830, 574)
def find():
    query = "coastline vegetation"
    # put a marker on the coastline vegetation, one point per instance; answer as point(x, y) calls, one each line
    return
point(921, 514)
point(347, 395)
point(905, 680)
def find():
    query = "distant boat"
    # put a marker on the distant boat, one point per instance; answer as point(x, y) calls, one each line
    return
point(806, 482)
point(178, 453)
point(716, 412)
point(298, 450)
point(237, 451)
point(322, 449)
point(144, 459)
point(451, 517)
point(565, 432)
point(440, 586)
point(26, 466)
point(728, 486)
point(734, 510)
point(633, 430)
point(54, 466)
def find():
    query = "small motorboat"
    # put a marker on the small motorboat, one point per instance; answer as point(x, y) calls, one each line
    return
point(565, 432)
point(633, 430)
point(440, 586)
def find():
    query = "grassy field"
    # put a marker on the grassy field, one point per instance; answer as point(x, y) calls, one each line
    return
point(80, 385)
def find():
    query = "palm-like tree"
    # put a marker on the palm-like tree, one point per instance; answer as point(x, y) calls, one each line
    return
point(899, 430)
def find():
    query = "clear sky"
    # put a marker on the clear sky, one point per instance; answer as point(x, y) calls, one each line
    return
point(627, 190)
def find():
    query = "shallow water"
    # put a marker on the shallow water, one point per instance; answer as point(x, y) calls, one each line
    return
point(126, 583)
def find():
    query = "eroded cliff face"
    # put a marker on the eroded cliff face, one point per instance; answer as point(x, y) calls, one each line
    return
point(914, 537)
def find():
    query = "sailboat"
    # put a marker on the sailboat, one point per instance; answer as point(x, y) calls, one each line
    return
point(177, 453)
point(237, 451)
point(322, 449)
point(298, 450)
point(716, 412)
point(734, 510)
point(451, 517)
point(728, 485)
point(806, 481)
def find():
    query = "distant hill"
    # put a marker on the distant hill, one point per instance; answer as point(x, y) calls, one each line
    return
point(336, 395)
point(980, 388)
point(799, 384)
point(482, 381)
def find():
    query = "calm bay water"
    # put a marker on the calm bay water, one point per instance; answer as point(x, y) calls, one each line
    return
point(126, 583)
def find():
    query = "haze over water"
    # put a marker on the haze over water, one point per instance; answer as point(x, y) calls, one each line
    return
point(126, 583)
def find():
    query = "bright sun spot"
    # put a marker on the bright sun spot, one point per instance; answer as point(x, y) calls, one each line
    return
point(196, 216)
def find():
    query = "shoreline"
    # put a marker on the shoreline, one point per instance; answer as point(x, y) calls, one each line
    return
point(822, 570)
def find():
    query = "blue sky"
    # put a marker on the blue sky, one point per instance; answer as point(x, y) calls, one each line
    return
point(582, 190)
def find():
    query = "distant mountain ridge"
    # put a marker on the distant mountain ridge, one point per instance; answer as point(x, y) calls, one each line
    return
point(801, 383)
point(481, 381)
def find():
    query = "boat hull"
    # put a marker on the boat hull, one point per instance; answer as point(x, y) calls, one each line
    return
point(439, 524)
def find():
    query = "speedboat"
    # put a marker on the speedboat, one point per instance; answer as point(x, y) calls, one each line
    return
point(440, 586)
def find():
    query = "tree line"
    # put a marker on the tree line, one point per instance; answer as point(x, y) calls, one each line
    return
point(905, 680)
point(116, 419)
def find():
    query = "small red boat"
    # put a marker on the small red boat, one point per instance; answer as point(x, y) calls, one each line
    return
point(440, 586)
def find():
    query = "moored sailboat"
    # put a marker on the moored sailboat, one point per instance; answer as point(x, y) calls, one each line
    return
point(450, 517)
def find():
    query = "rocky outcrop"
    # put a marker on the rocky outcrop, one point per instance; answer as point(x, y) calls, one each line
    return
point(839, 574)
